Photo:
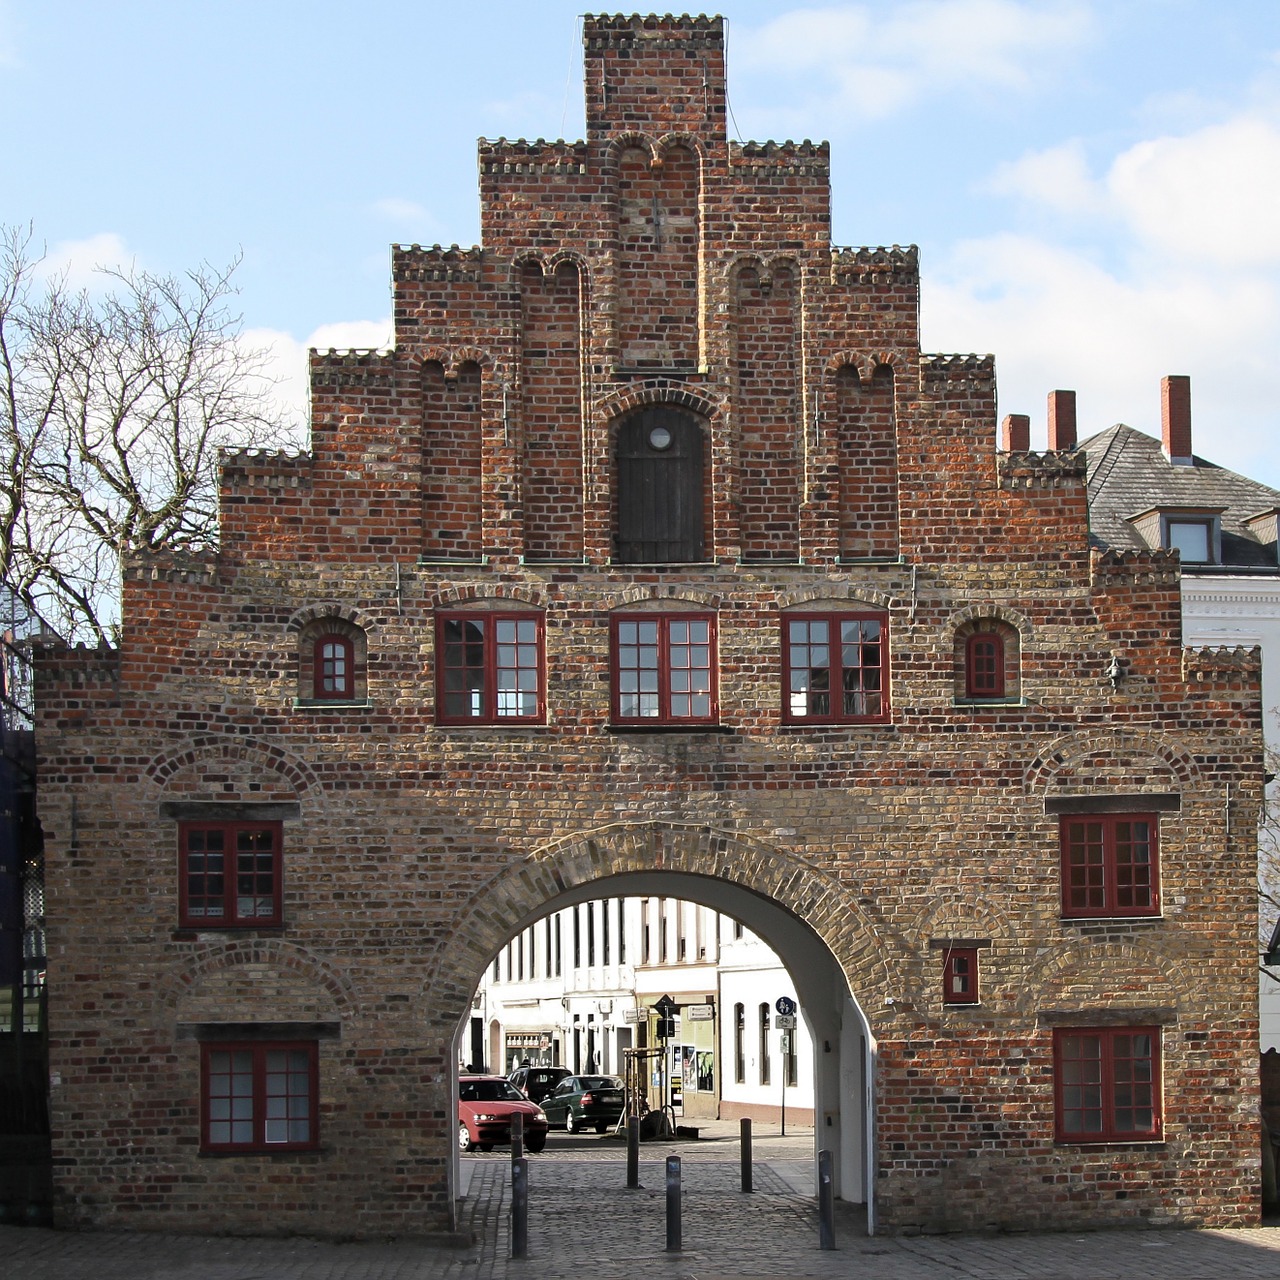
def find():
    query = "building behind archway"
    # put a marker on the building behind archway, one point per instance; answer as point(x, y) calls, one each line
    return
point(656, 546)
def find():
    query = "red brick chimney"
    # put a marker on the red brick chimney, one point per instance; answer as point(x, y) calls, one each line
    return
point(1175, 418)
point(1062, 420)
point(1015, 433)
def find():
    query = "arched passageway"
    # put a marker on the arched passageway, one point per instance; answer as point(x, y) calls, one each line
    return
point(797, 910)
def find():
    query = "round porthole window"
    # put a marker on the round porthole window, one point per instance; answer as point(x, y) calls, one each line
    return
point(659, 438)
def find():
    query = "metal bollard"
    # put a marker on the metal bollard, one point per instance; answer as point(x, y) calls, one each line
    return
point(826, 1203)
point(517, 1135)
point(520, 1208)
point(673, 1205)
point(744, 1130)
point(633, 1152)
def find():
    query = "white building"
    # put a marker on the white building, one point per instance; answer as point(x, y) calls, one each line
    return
point(586, 984)
point(1157, 493)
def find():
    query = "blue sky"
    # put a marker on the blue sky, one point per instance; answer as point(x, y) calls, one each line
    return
point(1094, 184)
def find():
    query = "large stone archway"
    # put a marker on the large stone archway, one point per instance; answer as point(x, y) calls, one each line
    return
point(821, 935)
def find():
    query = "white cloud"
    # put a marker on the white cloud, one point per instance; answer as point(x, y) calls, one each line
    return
point(877, 61)
point(1213, 194)
point(80, 262)
point(287, 356)
point(1057, 320)
point(1057, 178)
point(345, 334)
point(1181, 275)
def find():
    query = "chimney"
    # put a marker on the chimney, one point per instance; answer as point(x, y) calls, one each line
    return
point(1062, 420)
point(1175, 419)
point(1015, 433)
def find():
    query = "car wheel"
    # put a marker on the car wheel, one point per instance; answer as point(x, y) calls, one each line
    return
point(536, 1144)
point(601, 1125)
point(571, 1122)
point(464, 1138)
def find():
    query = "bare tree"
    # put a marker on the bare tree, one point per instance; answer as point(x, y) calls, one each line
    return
point(1269, 867)
point(115, 405)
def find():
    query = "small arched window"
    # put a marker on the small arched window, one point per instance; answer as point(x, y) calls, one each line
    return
point(984, 665)
point(988, 661)
point(332, 658)
point(335, 668)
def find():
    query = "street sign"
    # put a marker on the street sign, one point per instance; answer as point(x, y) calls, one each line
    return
point(785, 1022)
point(785, 1005)
point(633, 1015)
point(700, 1012)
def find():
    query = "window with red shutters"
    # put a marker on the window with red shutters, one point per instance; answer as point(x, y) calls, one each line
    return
point(960, 975)
point(259, 1096)
point(489, 668)
point(835, 668)
point(1110, 865)
point(984, 665)
point(664, 669)
point(229, 874)
point(1107, 1084)
point(335, 669)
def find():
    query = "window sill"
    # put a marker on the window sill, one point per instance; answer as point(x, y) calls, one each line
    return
point(669, 728)
point(987, 704)
point(332, 704)
point(662, 564)
point(826, 726)
point(1110, 1142)
point(473, 726)
point(194, 933)
point(256, 1153)
point(1154, 917)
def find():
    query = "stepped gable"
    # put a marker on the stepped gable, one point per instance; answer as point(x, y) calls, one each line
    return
point(1029, 470)
point(1146, 565)
point(1225, 661)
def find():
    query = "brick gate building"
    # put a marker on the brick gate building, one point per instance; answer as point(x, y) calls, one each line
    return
point(655, 558)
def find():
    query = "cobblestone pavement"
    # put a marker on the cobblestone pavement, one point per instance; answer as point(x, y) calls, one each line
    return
point(584, 1222)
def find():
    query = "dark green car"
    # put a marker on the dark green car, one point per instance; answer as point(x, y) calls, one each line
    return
point(579, 1101)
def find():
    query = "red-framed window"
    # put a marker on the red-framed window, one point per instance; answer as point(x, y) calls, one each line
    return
point(664, 669)
point(335, 668)
point(1106, 1084)
point(1110, 865)
point(960, 975)
point(984, 665)
point(836, 667)
point(489, 668)
point(229, 874)
point(259, 1096)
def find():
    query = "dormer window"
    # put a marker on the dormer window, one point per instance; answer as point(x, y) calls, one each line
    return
point(1192, 539)
point(1195, 533)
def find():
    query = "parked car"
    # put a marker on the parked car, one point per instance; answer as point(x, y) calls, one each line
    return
point(485, 1107)
point(579, 1101)
point(536, 1082)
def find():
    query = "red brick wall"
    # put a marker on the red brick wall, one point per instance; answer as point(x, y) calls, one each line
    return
point(474, 463)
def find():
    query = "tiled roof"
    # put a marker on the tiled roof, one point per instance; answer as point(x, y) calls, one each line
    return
point(1129, 474)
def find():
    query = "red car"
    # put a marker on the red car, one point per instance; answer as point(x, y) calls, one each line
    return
point(485, 1107)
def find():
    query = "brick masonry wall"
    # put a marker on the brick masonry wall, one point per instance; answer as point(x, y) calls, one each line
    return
point(474, 464)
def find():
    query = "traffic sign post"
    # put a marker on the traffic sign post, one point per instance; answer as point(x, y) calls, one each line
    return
point(786, 1023)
